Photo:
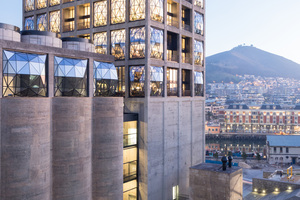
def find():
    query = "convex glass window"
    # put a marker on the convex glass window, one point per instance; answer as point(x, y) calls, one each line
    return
point(54, 21)
point(29, 23)
point(41, 22)
point(198, 52)
point(198, 23)
point(137, 42)
point(137, 81)
point(199, 3)
point(137, 10)
point(118, 11)
point(157, 10)
point(118, 44)
point(156, 81)
point(54, 2)
point(100, 13)
point(100, 41)
point(29, 5)
point(157, 43)
point(41, 4)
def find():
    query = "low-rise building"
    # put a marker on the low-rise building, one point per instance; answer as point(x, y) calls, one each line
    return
point(283, 149)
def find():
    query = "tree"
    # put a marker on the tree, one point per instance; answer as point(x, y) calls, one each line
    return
point(258, 157)
point(244, 155)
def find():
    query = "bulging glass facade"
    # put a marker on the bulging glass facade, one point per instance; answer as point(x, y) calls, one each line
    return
point(100, 13)
point(156, 81)
point(198, 52)
point(157, 10)
point(54, 21)
point(118, 8)
point(156, 43)
point(199, 3)
point(137, 10)
point(105, 79)
point(137, 81)
point(54, 2)
point(41, 23)
point(137, 42)
point(70, 77)
point(41, 4)
point(100, 41)
point(198, 83)
point(198, 23)
point(29, 5)
point(118, 44)
point(24, 74)
point(29, 23)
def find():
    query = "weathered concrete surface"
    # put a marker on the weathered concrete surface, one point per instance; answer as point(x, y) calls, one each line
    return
point(107, 149)
point(209, 182)
point(25, 149)
point(269, 185)
point(72, 148)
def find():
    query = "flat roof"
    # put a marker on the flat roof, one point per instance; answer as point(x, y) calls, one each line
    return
point(284, 140)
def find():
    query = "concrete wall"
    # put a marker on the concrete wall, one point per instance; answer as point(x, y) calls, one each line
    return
point(269, 185)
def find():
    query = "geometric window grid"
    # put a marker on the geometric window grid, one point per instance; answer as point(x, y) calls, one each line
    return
point(198, 82)
point(199, 3)
point(54, 21)
point(24, 74)
point(41, 4)
point(70, 77)
point(118, 44)
point(54, 2)
point(137, 42)
point(117, 11)
point(137, 81)
point(41, 22)
point(198, 52)
point(157, 10)
point(156, 81)
point(156, 43)
point(29, 5)
point(29, 23)
point(100, 42)
point(198, 23)
point(105, 79)
point(100, 13)
point(137, 10)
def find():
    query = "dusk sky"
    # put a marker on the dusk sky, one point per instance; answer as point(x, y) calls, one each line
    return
point(271, 25)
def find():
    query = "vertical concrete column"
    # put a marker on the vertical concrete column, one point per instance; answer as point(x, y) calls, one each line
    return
point(50, 71)
point(107, 148)
point(72, 148)
point(25, 149)
point(91, 77)
point(1, 73)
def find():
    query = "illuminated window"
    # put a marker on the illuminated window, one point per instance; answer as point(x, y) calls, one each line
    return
point(175, 192)
point(105, 79)
point(67, 1)
point(54, 2)
point(100, 41)
point(83, 16)
point(121, 81)
point(118, 44)
point(54, 21)
point(100, 13)
point(157, 10)
point(29, 5)
point(198, 23)
point(186, 82)
point(186, 50)
point(85, 36)
point(172, 14)
point(156, 43)
point(198, 83)
point(198, 52)
point(156, 81)
point(137, 81)
point(29, 23)
point(137, 10)
point(137, 42)
point(41, 22)
point(41, 4)
point(186, 18)
point(118, 11)
point(199, 3)
point(69, 19)
point(172, 77)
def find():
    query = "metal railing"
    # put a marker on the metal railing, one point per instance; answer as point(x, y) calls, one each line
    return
point(129, 171)
point(83, 25)
point(173, 56)
point(68, 28)
point(129, 139)
point(172, 22)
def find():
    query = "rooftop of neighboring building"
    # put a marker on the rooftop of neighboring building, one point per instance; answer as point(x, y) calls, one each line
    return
point(238, 106)
point(284, 140)
point(270, 106)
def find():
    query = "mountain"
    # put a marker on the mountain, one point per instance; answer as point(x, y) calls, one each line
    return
point(248, 60)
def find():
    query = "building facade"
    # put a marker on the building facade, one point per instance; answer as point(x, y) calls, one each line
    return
point(263, 119)
point(159, 56)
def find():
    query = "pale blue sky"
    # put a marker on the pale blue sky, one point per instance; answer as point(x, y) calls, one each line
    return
point(271, 25)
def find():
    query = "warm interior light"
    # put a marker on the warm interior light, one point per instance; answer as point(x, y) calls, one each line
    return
point(264, 191)
point(289, 187)
point(255, 190)
point(276, 189)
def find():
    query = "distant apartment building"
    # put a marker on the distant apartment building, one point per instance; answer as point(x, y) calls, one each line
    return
point(266, 119)
point(212, 129)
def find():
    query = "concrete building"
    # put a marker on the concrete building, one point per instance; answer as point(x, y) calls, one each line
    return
point(158, 48)
point(283, 149)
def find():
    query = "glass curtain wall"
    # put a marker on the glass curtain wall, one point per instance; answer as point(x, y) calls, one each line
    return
point(54, 2)
point(118, 11)
point(29, 5)
point(198, 52)
point(172, 82)
point(137, 81)
point(156, 81)
point(70, 77)
point(41, 22)
point(24, 74)
point(137, 42)
point(137, 10)
point(41, 4)
point(100, 41)
point(157, 10)
point(29, 23)
point(198, 23)
point(118, 44)
point(100, 13)
point(54, 21)
point(156, 43)
point(198, 83)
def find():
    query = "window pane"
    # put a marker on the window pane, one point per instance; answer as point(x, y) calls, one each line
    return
point(156, 43)
point(100, 13)
point(199, 3)
point(118, 44)
point(130, 190)
point(130, 134)
point(118, 11)
point(137, 42)
point(41, 4)
point(29, 23)
point(70, 77)
point(54, 21)
point(54, 2)
point(172, 76)
point(105, 79)
point(198, 23)
point(156, 81)
point(198, 52)
point(198, 82)
point(121, 81)
point(29, 5)
point(137, 80)
point(137, 10)
point(83, 19)
point(24, 74)
point(157, 10)
point(69, 19)
point(42, 22)
point(100, 41)
point(186, 82)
